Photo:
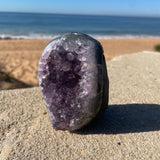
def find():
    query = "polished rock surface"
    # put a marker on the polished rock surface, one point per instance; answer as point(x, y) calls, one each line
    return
point(73, 77)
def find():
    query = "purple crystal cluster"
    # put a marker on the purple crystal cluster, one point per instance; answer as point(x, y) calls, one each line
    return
point(73, 77)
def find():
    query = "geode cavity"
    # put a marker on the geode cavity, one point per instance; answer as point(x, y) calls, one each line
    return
point(73, 77)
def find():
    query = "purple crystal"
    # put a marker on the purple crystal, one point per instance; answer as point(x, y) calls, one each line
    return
point(73, 77)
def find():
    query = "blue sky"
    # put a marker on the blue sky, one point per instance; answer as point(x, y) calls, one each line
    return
point(105, 7)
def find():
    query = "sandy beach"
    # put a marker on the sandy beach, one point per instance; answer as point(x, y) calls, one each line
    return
point(19, 57)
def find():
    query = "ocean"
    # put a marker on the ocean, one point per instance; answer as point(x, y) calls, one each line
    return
point(38, 25)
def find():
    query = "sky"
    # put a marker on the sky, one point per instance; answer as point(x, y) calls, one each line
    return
point(95, 7)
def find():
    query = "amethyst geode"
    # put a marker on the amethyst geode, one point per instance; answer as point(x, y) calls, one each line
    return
point(73, 77)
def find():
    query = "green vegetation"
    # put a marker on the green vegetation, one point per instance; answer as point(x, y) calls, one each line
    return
point(157, 48)
point(6, 77)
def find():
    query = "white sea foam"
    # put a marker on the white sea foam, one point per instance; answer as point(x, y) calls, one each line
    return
point(30, 36)
point(45, 36)
point(123, 36)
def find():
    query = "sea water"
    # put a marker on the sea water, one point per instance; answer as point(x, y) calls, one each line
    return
point(38, 25)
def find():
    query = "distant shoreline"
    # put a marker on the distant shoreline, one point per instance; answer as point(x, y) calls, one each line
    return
point(7, 37)
point(20, 57)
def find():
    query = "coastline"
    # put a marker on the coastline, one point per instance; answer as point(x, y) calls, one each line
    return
point(113, 46)
point(119, 46)
point(20, 57)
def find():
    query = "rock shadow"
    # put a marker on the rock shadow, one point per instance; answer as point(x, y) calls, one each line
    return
point(127, 118)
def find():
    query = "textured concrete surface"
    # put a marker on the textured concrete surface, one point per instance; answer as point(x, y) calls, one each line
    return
point(129, 129)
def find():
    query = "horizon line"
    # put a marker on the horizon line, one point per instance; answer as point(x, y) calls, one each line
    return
point(89, 14)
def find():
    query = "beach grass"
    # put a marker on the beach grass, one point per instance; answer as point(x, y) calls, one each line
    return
point(157, 47)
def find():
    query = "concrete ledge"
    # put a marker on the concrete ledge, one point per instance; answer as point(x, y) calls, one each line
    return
point(129, 129)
